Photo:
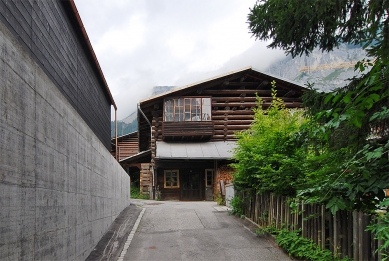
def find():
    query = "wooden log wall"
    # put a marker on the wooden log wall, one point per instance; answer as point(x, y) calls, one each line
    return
point(344, 233)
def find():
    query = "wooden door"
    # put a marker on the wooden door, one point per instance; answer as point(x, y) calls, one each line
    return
point(190, 185)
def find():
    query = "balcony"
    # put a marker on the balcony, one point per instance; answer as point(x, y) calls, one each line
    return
point(192, 130)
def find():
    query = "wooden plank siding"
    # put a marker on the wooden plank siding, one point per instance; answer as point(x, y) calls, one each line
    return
point(48, 30)
point(127, 146)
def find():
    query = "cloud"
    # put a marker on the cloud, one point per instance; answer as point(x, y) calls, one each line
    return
point(123, 39)
point(146, 43)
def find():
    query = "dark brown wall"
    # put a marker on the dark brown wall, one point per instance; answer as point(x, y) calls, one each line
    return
point(49, 32)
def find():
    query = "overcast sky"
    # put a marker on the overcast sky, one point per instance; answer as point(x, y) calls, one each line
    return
point(144, 43)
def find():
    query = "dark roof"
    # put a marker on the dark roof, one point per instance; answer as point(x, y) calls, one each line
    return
point(137, 158)
point(209, 82)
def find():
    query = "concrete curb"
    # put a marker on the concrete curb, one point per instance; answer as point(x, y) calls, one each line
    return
point(131, 236)
point(113, 241)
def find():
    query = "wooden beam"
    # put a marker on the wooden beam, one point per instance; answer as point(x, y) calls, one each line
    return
point(231, 112)
point(262, 84)
point(243, 83)
point(232, 117)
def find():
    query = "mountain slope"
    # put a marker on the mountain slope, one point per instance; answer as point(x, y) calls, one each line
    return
point(326, 70)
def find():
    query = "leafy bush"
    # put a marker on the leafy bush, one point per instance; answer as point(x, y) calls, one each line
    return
point(268, 154)
point(303, 248)
point(381, 231)
point(220, 200)
point(237, 206)
point(135, 193)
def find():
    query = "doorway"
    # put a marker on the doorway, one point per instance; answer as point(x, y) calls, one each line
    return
point(191, 185)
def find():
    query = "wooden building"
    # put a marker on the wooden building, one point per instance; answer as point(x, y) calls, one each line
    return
point(188, 133)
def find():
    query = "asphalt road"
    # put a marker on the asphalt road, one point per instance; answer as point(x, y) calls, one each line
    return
point(176, 230)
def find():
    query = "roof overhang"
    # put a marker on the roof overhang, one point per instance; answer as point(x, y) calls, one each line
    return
point(216, 150)
point(88, 45)
point(136, 158)
point(249, 70)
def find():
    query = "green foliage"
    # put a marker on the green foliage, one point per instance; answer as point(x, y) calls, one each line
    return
point(267, 230)
point(135, 193)
point(346, 140)
point(220, 200)
point(237, 206)
point(298, 28)
point(268, 155)
point(303, 248)
point(381, 230)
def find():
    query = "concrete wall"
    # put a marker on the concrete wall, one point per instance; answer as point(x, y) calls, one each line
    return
point(60, 188)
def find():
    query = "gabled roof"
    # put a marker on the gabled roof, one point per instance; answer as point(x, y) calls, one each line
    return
point(249, 70)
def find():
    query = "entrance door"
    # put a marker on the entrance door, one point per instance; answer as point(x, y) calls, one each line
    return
point(190, 184)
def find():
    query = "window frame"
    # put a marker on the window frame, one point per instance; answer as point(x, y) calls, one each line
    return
point(164, 178)
point(206, 178)
point(188, 112)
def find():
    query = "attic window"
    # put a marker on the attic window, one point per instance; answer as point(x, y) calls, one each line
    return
point(187, 109)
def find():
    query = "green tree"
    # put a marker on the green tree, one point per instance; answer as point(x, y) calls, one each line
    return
point(268, 156)
point(298, 27)
point(352, 122)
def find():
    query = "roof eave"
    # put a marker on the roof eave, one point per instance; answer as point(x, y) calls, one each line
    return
point(92, 53)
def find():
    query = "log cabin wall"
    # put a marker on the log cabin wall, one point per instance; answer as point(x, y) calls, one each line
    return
point(233, 101)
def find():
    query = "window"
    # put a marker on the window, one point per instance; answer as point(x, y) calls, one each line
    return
point(209, 177)
point(171, 179)
point(188, 109)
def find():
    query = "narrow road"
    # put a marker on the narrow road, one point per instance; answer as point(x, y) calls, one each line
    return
point(173, 230)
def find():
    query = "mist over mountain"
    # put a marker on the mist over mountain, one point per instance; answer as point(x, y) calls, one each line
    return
point(326, 71)
point(130, 123)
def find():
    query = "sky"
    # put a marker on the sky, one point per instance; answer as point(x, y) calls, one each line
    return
point(145, 43)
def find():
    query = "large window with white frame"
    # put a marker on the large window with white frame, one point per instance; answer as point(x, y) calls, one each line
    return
point(171, 178)
point(187, 109)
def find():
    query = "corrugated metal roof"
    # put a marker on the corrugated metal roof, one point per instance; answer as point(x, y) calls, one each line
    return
point(195, 150)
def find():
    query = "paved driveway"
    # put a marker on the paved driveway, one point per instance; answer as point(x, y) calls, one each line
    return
point(172, 230)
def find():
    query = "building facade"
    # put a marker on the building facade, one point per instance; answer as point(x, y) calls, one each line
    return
point(189, 132)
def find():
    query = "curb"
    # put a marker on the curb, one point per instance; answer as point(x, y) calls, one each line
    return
point(131, 236)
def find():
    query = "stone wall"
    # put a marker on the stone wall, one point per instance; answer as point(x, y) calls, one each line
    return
point(60, 188)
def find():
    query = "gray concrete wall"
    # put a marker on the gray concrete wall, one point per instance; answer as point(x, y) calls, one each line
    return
point(60, 188)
